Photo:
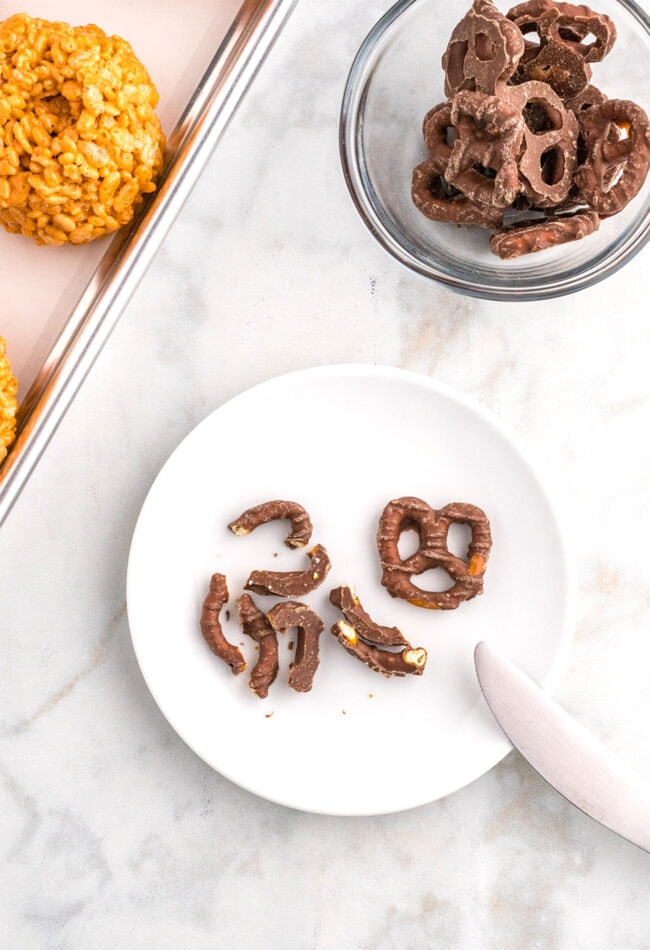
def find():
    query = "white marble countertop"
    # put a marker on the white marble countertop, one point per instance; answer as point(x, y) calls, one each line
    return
point(113, 834)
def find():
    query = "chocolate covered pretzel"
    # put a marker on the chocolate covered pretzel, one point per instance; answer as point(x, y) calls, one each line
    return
point(292, 583)
point(548, 159)
point(211, 628)
point(345, 598)
point(588, 97)
point(287, 615)
point(437, 200)
point(528, 237)
point(560, 56)
point(617, 139)
point(255, 624)
point(574, 152)
point(437, 128)
point(568, 24)
point(387, 662)
point(483, 51)
point(301, 526)
point(432, 527)
point(483, 160)
point(564, 70)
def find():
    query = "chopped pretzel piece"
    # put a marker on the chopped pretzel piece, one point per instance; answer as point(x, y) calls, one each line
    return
point(211, 625)
point(381, 661)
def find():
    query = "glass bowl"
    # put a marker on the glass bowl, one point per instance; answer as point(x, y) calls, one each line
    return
point(395, 79)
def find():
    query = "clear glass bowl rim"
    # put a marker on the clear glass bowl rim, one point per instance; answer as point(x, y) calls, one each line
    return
point(594, 271)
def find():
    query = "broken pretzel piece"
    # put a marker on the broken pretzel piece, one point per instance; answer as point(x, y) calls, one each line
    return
point(211, 625)
point(590, 96)
point(616, 167)
point(549, 156)
point(252, 518)
point(565, 71)
point(589, 34)
point(255, 624)
point(286, 615)
point(348, 603)
point(292, 583)
point(437, 130)
point(586, 32)
point(407, 661)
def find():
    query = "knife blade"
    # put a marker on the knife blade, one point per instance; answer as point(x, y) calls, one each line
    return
point(564, 753)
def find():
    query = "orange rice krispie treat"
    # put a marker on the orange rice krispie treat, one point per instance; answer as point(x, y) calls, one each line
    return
point(8, 404)
point(80, 143)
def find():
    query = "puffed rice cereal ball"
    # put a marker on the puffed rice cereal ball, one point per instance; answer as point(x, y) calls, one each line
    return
point(8, 404)
point(80, 143)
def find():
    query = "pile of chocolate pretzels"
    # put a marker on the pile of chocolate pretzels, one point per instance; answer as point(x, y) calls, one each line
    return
point(525, 145)
point(383, 649)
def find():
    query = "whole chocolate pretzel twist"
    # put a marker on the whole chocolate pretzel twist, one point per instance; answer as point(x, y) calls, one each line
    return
point(432, 526)
point(483, 51)
point(615, 167)
point(292, 583)
point(549, 156)
point(561, 57)
point(345, 598)
point(490, 132)
point(278, 510)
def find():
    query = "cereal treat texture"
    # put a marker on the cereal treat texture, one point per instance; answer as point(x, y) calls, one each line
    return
point(80, 143)
point(8, 404)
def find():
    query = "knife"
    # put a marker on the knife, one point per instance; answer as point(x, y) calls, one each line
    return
point(564, 753)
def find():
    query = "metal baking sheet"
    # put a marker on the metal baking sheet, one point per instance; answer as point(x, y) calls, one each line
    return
point(61, 303)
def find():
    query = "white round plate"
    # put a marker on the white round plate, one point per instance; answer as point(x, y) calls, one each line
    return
point(343, 441)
